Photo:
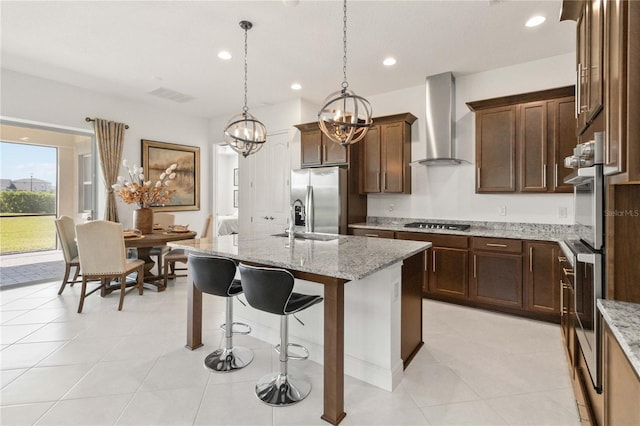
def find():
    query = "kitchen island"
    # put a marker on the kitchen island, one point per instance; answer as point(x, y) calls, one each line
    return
point(382, 297)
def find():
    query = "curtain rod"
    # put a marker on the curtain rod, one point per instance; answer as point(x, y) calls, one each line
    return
point(88, 119)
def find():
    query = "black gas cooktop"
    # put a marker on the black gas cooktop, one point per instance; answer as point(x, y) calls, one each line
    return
point(437, 225)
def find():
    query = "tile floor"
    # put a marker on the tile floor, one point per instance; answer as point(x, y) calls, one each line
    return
point(131, 367)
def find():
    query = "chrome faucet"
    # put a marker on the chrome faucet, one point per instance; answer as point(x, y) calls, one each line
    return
point(292, 220)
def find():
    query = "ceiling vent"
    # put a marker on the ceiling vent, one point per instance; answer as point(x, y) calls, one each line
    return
point(171, 95)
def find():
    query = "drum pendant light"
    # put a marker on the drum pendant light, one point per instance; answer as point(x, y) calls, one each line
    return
point(345, 117)
point(244, 133)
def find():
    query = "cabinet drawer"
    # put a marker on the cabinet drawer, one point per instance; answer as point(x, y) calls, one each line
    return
point(379, 233)
point(496, 244)
point(438, 240)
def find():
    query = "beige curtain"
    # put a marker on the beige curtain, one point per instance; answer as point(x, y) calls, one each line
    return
point(110, 136)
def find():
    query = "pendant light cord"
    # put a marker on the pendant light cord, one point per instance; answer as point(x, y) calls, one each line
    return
point(345, 84)
point(246, 108)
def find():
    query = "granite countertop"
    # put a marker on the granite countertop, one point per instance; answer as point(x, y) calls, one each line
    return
point(623, 319)
point(520, 231)
point(345, 257)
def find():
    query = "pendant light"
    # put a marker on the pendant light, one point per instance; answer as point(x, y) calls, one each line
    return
point(244, 133)
point(345, 117)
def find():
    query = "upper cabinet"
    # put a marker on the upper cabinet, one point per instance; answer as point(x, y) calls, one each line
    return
point(386, 154)
point(318, 150)
point(589, 67)
point(521, 141)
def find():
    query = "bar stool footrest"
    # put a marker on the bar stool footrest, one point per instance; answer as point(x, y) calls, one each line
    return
point(293, 355)
point(247, 329)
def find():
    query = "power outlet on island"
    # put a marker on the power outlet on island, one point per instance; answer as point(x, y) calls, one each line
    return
point(562, 212)
point(502, 211)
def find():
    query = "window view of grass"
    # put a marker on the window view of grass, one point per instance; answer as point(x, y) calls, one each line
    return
point(27, 233)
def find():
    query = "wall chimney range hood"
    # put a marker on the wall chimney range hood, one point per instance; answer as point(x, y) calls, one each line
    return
point(440, 121)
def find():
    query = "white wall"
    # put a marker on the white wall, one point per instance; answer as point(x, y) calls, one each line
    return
point(448, 192)
point(29, 98)
point(227, 161)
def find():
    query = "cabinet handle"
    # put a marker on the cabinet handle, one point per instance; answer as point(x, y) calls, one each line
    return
point(371, 235)
point(530, 259)
point(475, 266)
point(426, 261)
point(384, 180)
point(544, 175)
point(478, 178)
point(578, 83)
point(562, 259)
point(555, 177)
point(568, 271)
point(378, 181)
point(433, 260)
point(496, 245)
point(319, 154)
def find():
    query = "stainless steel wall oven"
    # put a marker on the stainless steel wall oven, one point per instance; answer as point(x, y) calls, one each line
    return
point(586, 253)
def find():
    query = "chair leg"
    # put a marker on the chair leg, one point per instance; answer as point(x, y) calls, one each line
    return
point(283, 388)
point(141, 280)
point(67, 270)
point(123, 290)
point(82, 293)
point(165, 276)
point(229, 358)
point(75, 276)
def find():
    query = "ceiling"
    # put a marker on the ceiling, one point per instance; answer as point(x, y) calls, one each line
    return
point(129, 48)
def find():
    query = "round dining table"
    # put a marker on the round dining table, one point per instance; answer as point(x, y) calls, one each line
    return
point(144, 244)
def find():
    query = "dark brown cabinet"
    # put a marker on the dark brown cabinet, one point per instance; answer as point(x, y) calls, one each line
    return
point(446, 264)
point(541, 282)
point(496, 272)
point(386, 153)
point(521, 141)
point(567, 310)
point(318, 150)
point(375, 233)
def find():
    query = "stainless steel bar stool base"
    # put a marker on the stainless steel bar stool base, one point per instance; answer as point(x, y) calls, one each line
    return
point(277, 389)
point(228, 360)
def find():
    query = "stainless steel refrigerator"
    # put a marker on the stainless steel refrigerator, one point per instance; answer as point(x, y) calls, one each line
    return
point(320, 199)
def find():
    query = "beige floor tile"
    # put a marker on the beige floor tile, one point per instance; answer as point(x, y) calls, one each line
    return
point(86, 411)
point(25, 414)
point(463, 413)
point(163, 407)
point(24, 355)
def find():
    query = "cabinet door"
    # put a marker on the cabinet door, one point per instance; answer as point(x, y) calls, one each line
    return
point(497, 279)
point(615, 70)
point(392, 157)
point(562, 134)
point(333, 153)
point(582, 41)
point(375, 233)
point(448, 272)
point(311, 148)
point(532, 144)
point(621, 384)
point(541, 286)
point(496, 150)
point(595, 74)
point(371, 167)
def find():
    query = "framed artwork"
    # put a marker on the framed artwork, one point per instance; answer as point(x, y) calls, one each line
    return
point(235, 177)
point(158, 156)
point(235, 198)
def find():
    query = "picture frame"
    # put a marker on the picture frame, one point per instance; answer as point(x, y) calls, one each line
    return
point(158, 156)
point(235, 177)
point(235, 198)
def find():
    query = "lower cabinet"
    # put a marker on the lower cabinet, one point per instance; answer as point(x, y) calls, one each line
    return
point(496, 272)
point(541, 282)
point(376, 233)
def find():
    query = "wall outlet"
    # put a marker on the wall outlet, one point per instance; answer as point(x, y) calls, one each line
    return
point(391, 207)
point(502, 210)
point(562, 212)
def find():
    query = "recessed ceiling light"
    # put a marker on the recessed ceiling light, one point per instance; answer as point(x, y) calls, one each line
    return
point(296, 86)
point(223, 54)
point(535, 21)
point(389, 61)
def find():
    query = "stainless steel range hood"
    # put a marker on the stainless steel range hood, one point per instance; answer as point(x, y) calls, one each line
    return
point(440, 120)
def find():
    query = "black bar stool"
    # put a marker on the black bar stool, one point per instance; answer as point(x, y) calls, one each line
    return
point(215, 275)
point(271, 290)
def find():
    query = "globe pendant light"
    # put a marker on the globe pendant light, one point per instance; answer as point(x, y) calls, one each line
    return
point(345, 117)
point(244, 133)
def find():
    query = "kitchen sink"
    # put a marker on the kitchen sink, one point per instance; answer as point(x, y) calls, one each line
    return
point(309, 236)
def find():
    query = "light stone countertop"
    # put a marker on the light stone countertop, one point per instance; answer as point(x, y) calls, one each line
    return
point(623, 319)
point(519, 231)
point(346, 257)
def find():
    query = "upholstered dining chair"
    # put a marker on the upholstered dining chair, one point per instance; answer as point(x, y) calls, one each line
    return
point(65, 228)
point(179, 255)
point(102, 256)
point(164, 220)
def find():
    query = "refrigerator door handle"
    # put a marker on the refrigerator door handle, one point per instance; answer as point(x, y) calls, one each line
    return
point(309, 210)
